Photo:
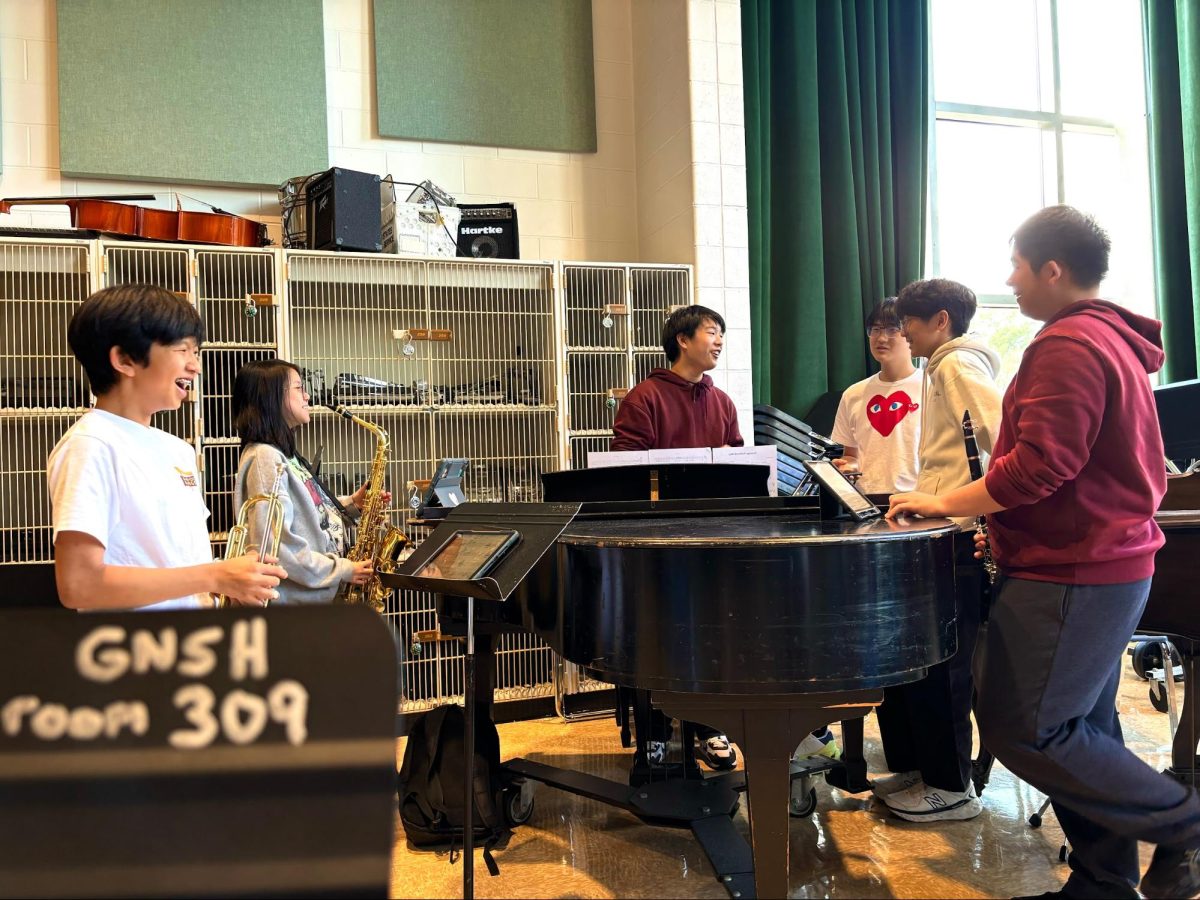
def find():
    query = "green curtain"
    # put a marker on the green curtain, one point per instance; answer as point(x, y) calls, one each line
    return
point(1172, 40)
point(837, 119)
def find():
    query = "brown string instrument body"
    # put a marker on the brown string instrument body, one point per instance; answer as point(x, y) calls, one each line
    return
point(107, 215)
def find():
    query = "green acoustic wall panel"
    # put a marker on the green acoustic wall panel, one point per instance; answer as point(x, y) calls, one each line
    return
point(201, 91)
point(508, 73)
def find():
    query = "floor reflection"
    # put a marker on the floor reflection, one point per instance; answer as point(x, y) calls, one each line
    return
point(850, 847)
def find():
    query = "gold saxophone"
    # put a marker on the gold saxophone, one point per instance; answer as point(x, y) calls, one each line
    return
point(240, 533)
point(377, 539)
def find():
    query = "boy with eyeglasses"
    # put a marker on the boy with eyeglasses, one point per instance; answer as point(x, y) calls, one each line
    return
point(877, 421)
point(878, 426)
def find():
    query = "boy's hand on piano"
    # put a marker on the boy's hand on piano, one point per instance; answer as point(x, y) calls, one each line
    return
point(914, 503)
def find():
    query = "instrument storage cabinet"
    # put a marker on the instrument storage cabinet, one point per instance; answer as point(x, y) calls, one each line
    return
point(452, 357)
point(612, 328)
point(42, 392)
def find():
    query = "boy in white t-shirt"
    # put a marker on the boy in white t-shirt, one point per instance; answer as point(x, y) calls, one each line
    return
point(878, 426)
point(130, 523)
point(878, 419)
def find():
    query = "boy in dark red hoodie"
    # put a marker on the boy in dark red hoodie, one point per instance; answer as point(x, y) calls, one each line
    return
point(677, 408)
point(1077, 474)
point(680, 407)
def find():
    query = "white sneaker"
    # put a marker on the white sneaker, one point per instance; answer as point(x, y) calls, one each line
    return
point(656, 752)
point(717, 753)
point(921, 803)
point(893, 784)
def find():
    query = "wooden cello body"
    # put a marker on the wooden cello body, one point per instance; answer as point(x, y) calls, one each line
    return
point(106, 215)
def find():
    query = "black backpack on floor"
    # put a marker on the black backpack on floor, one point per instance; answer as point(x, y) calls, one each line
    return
point(431, 783)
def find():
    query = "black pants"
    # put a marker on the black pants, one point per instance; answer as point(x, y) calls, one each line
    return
point(926, 724)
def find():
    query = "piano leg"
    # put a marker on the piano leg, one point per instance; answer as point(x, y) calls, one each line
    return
point(768, 727)
point(851, 777)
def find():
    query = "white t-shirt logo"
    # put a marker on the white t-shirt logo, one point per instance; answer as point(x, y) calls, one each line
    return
point(188, 478)
point(885, 413)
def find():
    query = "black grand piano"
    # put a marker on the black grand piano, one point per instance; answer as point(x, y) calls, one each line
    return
point(1171, 609)
point(759, 616)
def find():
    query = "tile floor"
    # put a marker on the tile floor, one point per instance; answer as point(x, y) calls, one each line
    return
point(850, 847)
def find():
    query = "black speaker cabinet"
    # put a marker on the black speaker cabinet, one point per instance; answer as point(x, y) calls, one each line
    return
point(342, 212)
point(489, 231)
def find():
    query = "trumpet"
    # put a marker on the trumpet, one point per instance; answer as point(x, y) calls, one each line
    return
point(240, 532)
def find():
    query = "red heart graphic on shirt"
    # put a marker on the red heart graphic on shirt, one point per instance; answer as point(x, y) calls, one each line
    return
point(885, 413)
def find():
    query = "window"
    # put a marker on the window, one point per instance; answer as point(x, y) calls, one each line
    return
point(1036, 102)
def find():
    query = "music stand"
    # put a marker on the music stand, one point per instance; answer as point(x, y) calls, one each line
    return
point(657, 481)
point(538, 526)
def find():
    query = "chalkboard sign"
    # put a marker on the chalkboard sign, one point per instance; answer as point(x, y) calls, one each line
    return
point(229, 752)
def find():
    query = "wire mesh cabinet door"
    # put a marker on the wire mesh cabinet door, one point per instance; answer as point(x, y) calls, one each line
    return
point(451, 359)
point(43, 390)
point(612, 331)
point(494, 368)
point(238, 296)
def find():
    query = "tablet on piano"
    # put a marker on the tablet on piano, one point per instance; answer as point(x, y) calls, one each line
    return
point(837, 485)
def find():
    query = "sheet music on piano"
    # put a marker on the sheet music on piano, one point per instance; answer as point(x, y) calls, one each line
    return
point(761, 455)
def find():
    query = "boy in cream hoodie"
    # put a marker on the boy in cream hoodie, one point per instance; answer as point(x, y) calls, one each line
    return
point(926, 725)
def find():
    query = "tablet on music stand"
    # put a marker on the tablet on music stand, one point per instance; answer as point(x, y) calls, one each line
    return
point(468, 555)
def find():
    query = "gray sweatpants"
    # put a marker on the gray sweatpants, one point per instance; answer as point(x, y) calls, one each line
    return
point(1046, 680)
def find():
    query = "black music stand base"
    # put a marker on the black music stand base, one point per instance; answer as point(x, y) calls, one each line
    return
point(767, 728)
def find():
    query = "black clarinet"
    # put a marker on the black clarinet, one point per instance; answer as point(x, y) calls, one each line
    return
point(989, 564)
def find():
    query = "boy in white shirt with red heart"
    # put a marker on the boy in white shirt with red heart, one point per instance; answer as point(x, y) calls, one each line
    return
point(878, 419)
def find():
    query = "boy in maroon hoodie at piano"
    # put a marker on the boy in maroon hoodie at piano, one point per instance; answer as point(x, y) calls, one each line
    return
point(676, 408)
point(1077, 474)
point(681, 407)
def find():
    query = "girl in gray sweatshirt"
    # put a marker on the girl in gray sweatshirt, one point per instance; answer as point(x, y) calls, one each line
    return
point(269, 404)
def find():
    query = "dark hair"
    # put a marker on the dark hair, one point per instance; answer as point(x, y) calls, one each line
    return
point(1071, 238)
point(884, 313)
point(132, 317)
point(685, 321)
point(258, 395)
point(925, 299)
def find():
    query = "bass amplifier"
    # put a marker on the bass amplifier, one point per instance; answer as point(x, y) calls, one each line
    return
point(489, 231)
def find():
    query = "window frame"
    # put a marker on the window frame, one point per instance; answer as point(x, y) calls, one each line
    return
point(1052, 121)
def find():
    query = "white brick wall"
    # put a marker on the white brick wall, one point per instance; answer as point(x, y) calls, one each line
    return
point(666, 185)
point(718, 162)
